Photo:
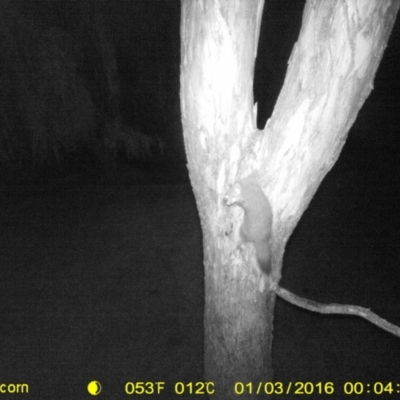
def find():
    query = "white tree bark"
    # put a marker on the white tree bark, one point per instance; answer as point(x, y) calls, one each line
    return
point(330, 74)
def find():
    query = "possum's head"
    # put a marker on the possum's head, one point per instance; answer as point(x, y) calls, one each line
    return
point(234, 195)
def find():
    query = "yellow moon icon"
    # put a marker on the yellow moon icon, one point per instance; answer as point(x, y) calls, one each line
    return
point(94, 388)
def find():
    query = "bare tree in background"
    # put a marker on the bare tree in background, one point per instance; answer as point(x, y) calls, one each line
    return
point(59, 86)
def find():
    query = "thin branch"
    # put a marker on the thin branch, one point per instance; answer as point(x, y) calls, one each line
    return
point(336, 309)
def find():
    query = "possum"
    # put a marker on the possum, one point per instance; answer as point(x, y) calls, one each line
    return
point(257, 221)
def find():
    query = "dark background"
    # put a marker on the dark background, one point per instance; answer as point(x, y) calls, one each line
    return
point(100, 242)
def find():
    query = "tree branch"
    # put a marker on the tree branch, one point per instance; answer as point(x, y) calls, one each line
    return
point(336, 309)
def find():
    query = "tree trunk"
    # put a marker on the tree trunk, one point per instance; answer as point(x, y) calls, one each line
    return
point(219, 43)
point(329, 77)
